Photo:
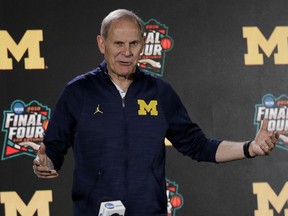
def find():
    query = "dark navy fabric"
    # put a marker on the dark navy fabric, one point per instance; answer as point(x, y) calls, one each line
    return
point(119, 154)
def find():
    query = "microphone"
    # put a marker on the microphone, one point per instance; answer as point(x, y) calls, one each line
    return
point(112, 208)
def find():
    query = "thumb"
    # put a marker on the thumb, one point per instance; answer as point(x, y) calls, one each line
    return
point(42, 149)
point(264, 124)
point(42, 155)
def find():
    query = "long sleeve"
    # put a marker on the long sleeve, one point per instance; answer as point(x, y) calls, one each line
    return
point(185, 135)
point(61, 129)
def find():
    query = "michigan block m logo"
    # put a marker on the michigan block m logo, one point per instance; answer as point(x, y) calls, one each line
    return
point(30, 41)
point(266, 198)
point(14, 204)
point(147, 108)
point(255, 40)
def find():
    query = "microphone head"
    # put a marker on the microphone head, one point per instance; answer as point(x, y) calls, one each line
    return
point(112, 208)
point(104, 199)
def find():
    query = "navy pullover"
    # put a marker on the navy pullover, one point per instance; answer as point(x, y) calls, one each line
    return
point(118, 144)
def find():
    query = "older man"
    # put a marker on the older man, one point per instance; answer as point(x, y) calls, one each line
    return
point(116, 118)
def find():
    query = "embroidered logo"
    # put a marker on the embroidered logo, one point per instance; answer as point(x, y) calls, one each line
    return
point(147, 108)
point(97, 110)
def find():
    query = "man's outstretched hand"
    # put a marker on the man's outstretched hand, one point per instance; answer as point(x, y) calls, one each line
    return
point(42, 165)
point(264, 142)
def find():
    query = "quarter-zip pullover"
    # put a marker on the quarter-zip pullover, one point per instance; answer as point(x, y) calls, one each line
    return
point(118, 143)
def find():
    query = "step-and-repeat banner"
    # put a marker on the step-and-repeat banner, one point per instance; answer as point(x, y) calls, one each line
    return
point(228, 61)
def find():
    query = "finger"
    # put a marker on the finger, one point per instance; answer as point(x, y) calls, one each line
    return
point(40, 168)
point(276, 134)
point(265, 148)
point(42, 172)
point(264, 124)
point(36, 161)
point(273, 138)
point(42, 149)
point(46, 175)
point(42, 157)
point(269, 144)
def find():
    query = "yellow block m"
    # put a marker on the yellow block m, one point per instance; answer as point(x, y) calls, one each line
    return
point(255, 39)
point(30, 41)
point(266, 195)
point(39, 202)
point(150, 108)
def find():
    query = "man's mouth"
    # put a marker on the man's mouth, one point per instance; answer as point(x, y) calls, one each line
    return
point(125, 63)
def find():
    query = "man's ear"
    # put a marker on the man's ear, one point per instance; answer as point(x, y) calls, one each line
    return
point(101, 44)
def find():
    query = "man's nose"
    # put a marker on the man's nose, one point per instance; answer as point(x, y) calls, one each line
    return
point(127, 50)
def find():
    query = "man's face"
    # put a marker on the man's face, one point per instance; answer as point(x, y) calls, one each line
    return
point(122, 47)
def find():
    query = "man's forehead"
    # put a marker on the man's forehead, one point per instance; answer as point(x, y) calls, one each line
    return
point(123, 23)
point(124, 29)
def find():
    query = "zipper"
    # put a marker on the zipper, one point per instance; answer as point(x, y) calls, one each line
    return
point(123, 102)
point(126, 146)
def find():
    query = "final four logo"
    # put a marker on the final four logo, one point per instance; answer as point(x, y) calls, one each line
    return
point(24, 126)
point(174, 199)
point(156, 44)
point(276, 111)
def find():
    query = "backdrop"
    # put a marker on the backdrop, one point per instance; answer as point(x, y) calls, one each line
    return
point(226, 59)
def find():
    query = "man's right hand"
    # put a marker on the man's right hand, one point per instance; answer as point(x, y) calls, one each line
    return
point(42, 165)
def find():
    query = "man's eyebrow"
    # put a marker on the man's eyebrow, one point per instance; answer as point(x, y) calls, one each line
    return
point(134, 41)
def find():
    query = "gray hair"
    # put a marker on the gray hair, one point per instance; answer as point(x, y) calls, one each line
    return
point(117, 15)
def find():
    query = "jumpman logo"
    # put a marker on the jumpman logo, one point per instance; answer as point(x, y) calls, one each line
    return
point(97, 110)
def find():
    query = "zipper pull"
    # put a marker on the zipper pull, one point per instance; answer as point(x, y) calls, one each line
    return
point(123, 102)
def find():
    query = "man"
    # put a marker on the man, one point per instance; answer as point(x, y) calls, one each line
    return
point(116, 119)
